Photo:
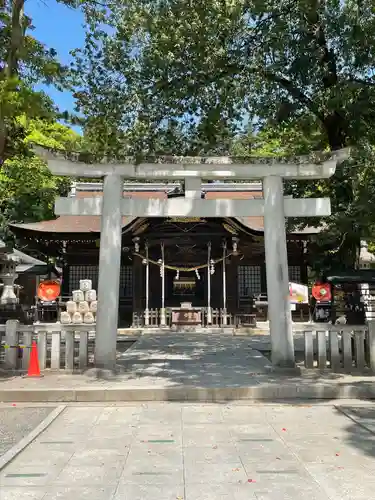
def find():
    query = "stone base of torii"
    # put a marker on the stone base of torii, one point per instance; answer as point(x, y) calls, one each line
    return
point(273, 207)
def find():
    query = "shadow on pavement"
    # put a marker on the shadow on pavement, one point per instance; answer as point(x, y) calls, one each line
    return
point(360, 432)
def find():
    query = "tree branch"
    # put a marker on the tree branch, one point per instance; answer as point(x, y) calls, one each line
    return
point(362, 82)
point(262, 23)
point(294, 92)
point(328, 58)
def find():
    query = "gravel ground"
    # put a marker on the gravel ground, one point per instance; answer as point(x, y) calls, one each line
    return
point(17, 422)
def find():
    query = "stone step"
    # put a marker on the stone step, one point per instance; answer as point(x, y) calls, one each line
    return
point(279, 392)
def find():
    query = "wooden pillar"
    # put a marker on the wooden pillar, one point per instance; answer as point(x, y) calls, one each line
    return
point(263, 278)
point(209, 310)
point(216, 284)
point(304, 270)
point(137, 285)
point(232, 284)
point(147, 290)
point(65, 292)
point(224, 283)
point(162, 275)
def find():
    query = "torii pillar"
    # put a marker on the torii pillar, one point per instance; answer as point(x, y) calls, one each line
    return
point(273, 207)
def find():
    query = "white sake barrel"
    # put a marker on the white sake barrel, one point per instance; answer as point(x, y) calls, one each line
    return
point(88, 318)
point(78, 296)
point(94, 306)
point(90, 295)
point(65, 318)
point(85, 285)
point(71, 307)
point(83, 307)
point(77, 318)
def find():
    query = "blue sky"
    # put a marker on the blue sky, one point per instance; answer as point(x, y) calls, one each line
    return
point(59, 27)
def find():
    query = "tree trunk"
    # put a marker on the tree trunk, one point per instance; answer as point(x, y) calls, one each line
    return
point(10, 70)
point(336, 129)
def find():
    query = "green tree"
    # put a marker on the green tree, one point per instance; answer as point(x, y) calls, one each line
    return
point(211, 62)
point(24, 62)
point(301, 69)
point(27, 187)
point(337, 244)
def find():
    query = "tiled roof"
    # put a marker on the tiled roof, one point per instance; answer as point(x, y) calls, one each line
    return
point(67, 224)
point(83, 223)
point(132, 194)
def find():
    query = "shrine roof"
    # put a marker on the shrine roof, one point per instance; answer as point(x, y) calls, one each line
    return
point(70, 224)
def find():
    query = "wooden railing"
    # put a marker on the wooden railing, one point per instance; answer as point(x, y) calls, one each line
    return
point(154, 319)
point(349, 349)
point(67, 347)
point(221, 320)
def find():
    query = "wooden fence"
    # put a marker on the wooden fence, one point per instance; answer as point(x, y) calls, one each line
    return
point(217, 319)
point(348, 349)
point(67, 347)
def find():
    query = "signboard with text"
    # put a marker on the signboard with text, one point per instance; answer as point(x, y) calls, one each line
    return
point(298, 294)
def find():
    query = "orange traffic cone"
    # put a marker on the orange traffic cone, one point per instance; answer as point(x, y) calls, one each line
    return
point(34, 370)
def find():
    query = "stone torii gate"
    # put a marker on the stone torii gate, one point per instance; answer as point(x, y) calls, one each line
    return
point(273, 207)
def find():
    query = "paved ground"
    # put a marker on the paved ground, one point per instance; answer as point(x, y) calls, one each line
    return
point(179, 367)
point(181, 359)
point(16, 422)
point(170, 451)
point(193, 359)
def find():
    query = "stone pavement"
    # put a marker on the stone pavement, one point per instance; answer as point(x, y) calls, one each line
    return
point(172, 451)
point(194, 359)
point(181, 367)
point(17, 422)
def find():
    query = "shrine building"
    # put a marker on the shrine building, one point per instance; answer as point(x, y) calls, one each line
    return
point(216, 263)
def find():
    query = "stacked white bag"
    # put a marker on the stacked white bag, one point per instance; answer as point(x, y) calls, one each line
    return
point(82, 308)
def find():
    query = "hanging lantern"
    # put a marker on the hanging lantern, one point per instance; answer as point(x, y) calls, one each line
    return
point(49, 290)
point(322, 292)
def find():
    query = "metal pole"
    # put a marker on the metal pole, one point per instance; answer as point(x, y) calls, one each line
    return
point(147, 312)
point(162, 310)
point(209, 310)
point(224, 284)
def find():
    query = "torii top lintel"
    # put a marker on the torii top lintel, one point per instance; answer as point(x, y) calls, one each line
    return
point(315, 166)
